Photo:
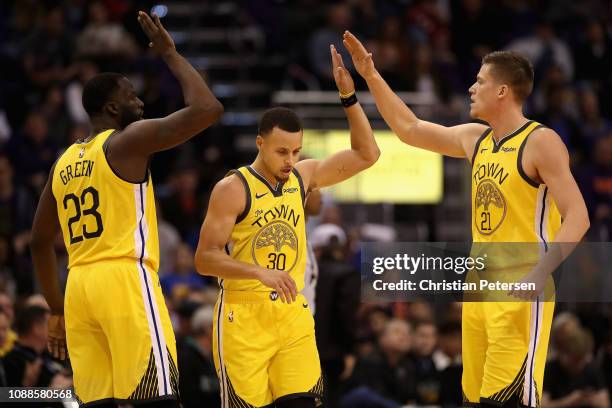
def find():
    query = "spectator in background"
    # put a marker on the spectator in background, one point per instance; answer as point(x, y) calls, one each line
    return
point(605, 360)
point(339, 17)
point(391, 46)
point(54, 110)
point(16, 214)
point(424, 341)
point(32, 152)
point(312, 208)
point(337, 294)
point(557, 116)
point(199, 386)
point(389, 371)
point(448, 364)
point(595, 181)
point(183, 274)
point(74, 92)
point(593, 54)
point(572, 379)
point(47, 52)
point(29, 364)
point(544, 49)
point(169, 240)
point(183, 206)
point(6, 306)
point(593, 125)
point(103, 38)
point(6, 342)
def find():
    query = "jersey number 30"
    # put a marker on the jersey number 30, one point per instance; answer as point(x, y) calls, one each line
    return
point(81, 211)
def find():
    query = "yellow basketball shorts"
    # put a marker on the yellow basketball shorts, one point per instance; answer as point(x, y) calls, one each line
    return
point(119, 336)
point(504, 351)
point(264, 350)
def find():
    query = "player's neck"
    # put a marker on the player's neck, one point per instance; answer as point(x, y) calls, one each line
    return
point(259, 166)
point(100, 124)
point(506, 123)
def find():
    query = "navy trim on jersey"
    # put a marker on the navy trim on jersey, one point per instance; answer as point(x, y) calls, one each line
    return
point(496, 146)
point(542, 218)
point(247, 206)
point(276, 192)
point(519, 161)
point(105, 149)
point(299, 177)
point(480, 139)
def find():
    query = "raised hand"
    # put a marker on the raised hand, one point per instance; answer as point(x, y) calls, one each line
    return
point(343, 78)
point(281, 282)
point(362, 59)
point(159, 39)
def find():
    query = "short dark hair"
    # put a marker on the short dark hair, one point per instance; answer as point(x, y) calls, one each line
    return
point(98, 90)
point(282, 118)
point(28, 317)
point(514, 69)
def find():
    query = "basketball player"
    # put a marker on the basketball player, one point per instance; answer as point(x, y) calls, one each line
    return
point(264, 345)
point(100, 194)
point(524, 166)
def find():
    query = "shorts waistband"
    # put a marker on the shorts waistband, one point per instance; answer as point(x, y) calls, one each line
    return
point(251, 297)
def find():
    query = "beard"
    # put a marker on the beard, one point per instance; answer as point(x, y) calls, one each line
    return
point(126, 117)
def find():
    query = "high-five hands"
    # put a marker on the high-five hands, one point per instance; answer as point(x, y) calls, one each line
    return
point(362, 59)
point(343, 78)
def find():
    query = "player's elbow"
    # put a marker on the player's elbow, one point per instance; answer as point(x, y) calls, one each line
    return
point(369, 157)
point(38, 243)
point(210, 113)
point(202, 262)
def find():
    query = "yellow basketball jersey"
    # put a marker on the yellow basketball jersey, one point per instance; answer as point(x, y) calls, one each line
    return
point(508, 206)
point(102, 216)
point(271, 232)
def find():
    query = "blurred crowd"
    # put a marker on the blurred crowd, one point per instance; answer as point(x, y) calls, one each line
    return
point(374, 355)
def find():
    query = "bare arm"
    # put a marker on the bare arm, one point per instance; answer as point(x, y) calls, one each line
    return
point(363, 152)
point(550, 159)
point(45, 229)
point(144, 137)
point(227, 202)
point(455, 141)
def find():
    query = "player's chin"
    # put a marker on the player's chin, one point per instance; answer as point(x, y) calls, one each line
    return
point(284, 174)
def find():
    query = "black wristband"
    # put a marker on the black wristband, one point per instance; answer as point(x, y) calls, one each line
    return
point(350, 101)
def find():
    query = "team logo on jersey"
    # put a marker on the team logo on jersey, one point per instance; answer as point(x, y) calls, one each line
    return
point(275, 246)
point(489, 207)
point(82, 153)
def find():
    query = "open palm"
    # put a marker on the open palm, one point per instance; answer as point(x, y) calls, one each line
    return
point(362, 59)
point(343, 78)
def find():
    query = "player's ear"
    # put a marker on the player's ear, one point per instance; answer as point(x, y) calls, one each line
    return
point(112, 107)
point(502, 91)
point(259, 141)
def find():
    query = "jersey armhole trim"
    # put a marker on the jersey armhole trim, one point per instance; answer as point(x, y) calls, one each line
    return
point(105, 150)
point(302, 192)
point(478, 142)
point(247, 206)
point(519, 160)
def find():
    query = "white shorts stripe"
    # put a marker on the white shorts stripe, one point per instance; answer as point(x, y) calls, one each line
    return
point(222, 373)
point(529, 386)
point(155, 328)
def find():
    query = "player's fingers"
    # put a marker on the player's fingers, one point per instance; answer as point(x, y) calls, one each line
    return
point(157, 22)
point(287, 292)
point(293, 288)
point(340, 61)
point(355, 43)
point(148, 23)
point(348, 45)
point(143, 20)
point(281, 291)
point(334, 57)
